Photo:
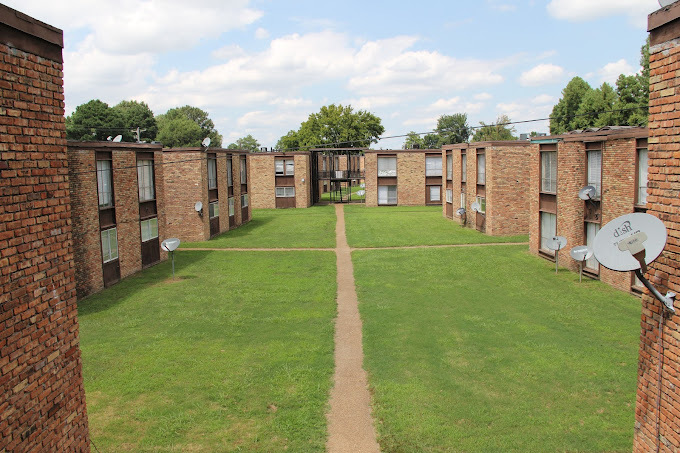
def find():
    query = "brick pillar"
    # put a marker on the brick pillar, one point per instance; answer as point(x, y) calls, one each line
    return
point(42, 400)
point(662, 427)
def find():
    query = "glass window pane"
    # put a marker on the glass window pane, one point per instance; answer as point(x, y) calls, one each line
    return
point(290, 167)
point(212, 173)
point(106, 250)
point(449, 166)
point(642, 176)
point(449, 195)
point(481, 169)
point(591, 232)
point(104, 183)
point(548, 229)
point(433, 166)
point(230, 178)
point(387, 166)
point(278, 167)
point(244, 172)
point(387, 194)
point(435, 193)
point(549, 171)
point(145, 180)
point(595, 170)
point(463, 167)
point(231, 207)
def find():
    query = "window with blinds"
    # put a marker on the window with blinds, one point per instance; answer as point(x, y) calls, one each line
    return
point(387, 166)
point(549, 171)
point(594, 159)
point(433, 166)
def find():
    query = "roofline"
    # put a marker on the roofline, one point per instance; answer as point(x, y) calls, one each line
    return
point(198, 149)
point(496, 143)
point(122, 146)
point(597, 136)
point(403, 151)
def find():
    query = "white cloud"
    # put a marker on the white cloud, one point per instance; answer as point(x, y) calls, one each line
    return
point(543, 99)
point(228, 52)
point(611, 71)
point(372, 102)
point(541, 74)
point(501, 7)
point(483, 96)
point(456, 105)
point(584, 10)
point(261, 33)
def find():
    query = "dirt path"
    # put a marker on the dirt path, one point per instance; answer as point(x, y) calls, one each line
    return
point(350, 425)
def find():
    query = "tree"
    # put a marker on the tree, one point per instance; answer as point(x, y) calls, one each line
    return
point(289, 142)
point(596, 108)
point(413, 140)
point(431, 141)
point(563, 113)
point(452, 129)
point(248, 142)
point(137, 115)
point(494, 132)
point(633, 93)
point(94, 120)
point(338, 127)
point(174, 129)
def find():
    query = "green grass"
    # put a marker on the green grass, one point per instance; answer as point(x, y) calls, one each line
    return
point(345, 190)
point(234, 354)
point(486, 349)
point(395, 226)
point(279, 228)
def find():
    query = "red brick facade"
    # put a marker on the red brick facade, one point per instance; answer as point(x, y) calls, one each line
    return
point(186, 182)
point(618, 148)
point(660, 429)
point(129, 212)
point(42, 402)
point(503, 190)
point(265, 181)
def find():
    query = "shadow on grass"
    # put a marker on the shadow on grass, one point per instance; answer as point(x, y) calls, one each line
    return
point(160, 274)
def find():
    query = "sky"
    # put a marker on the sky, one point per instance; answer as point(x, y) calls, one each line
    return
point(261, 67)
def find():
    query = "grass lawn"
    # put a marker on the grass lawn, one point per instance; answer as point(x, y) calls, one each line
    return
point(392, 226)
point(345, 190)
point(279, 228)
point(486, 349)
point(234, 354)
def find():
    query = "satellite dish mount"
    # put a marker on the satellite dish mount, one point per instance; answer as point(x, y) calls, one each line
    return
point(557, 243)
point(581, 253)
point(206, 143)
point(198, 207)
point(170, 245)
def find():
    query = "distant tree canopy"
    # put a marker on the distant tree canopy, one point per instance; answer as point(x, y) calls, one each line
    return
point(185, 127)
point(450, 129)
point(581, 106)
point(500, 130)
point(337, 126)
point(248, 142)
point(137, 115)
point(94, 121)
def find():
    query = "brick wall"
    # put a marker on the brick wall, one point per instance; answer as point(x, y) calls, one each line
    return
point(42, 406)
point(303, 174)
point(410, 176)
point(663, 201)
point(263, 185)
point(185, 177)
point(371, 181)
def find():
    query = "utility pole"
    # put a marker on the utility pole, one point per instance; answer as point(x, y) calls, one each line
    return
point(137, 132)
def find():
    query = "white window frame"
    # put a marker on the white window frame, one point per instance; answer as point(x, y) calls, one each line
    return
point(285, 192)
point(387, 166)
point(433, 165)
point(214, 209)
point(481, 168)
point(449, 196)
point(109, 242)
point(145, 179)
point(387, 195)
point(547, 219)
point(244, 200)
point(438, 191)
point(449, 166)
point(482, 204)
point(231, 206)
point(594, 169)
point(105, 183)
point(149, 229)
point(549, 171)
point(642, 175)
point(212, 173)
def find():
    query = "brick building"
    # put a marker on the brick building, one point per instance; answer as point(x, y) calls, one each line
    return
point(659, 429)
point(218, 179)
point(611, 159)
point(42, 401)
point(281, 180)
point(493, 174)
point(410, 177)
point(118, 209)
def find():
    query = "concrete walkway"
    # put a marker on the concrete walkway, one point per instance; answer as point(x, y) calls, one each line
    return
point(350, 425)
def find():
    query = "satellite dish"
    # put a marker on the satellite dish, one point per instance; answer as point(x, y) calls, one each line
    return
point(588, 193)
point(198, 206)
point(630, 243)
point(206, 142)
point(361, 193)
point(460, 212)
point(557, 243)
point(627, 242)
point(665, 3)
point(581, 252)
point(170, 245)
point(109, 138)
point(117, 138)
point(362, 185)
point(475, 206)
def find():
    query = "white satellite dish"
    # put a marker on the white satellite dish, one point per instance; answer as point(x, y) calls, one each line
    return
point(631, 242)
point(460, 212)
point(199, 208)
point(206, 142)
point(588, 193)
point(665, 3)
point(361, 193)
point(362, 185)
point(117, 138)
point(109, 138)
point(476, 206)
point(556, 243)
point(581, 253)
point(170, 245)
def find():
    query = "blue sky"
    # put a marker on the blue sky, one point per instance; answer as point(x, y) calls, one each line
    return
point(261, 67)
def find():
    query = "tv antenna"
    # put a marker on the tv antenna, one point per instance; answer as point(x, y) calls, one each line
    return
point(557, 243)
point(581, 253)
point(170, 245)
point(631, 242)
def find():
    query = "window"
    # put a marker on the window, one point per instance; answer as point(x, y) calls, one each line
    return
point(595, 170)
point(104, 183)
point(149, 229)
point(212, 172)
point(109, 245)
point(230, 174)
point(481, 169)
point(284, 167)
point(433, 165)
point(482, 204)
point(449, 166)
point(244, 171)
point(387, 166)
point(435, 192)
point(591, 232)
point(549, 171)
point(244, 200)
point(462, 199)
point(145, 180)
point(449, 196)
point(463, 167)
point(285, 192)
point(231, 206)
point(387, 194)
point(214, 209)
point(642, 177)
point(548, 229)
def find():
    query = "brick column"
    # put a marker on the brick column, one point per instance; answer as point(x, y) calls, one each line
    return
point(42, 400)
point(662, 427)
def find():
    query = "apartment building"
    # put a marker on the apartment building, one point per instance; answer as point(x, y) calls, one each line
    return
point(281, 180)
